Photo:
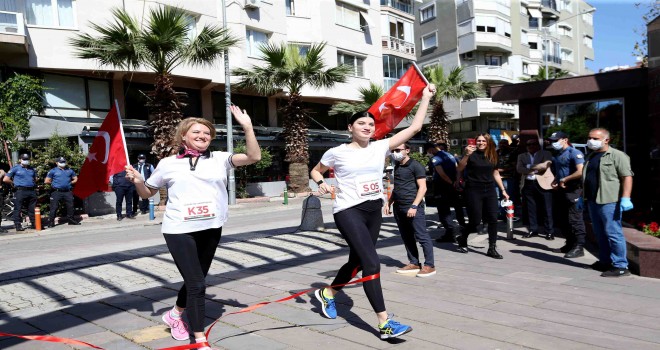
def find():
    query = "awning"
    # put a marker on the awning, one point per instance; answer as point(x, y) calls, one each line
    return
point(534, 13)
point(370, 23)
point(44, 128)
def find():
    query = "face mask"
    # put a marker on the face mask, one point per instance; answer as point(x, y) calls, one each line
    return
point(141, 161)
point(61, 165)
point(25, 162)
point(397, 157)
point(557, 146)
point(595, 144)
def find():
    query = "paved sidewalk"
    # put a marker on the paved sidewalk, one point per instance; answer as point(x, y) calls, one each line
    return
point(532, 298)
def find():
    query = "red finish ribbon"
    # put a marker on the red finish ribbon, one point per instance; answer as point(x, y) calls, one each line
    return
point(250, 308)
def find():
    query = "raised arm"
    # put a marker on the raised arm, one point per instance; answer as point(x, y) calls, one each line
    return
point(253, 153)
point(417, 122)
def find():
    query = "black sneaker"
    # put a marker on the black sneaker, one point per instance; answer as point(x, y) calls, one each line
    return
point(615, 272)
point(600, 266)
point(447, 238)
point(530, 234)
point(576, 252)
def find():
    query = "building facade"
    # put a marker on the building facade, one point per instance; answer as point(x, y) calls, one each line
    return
point(501, 42)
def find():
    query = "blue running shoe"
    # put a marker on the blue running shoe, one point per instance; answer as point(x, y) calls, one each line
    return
point(393, 329)
point(328, 305)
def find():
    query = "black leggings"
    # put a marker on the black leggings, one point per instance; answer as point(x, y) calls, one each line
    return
point(481, 202)
point(193, 253)
point(360, 227)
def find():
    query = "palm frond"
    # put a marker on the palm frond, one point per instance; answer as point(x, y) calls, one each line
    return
point(208, 45)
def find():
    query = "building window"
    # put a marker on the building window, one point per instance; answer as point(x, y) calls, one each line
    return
point(356, 63)
point(525, 68)
point(347, 16)
point(78, 97)
point(588, 41)
point(493, 60)
point(303, 49)
point(427, 13)
point(588, 18)
point(253, 41)
point(290, 7)
point(524, 39)
point(533, 45)
point(51, 13)
point(567, 55)
point(429, 41)
point(565, 30)
point(191, 24)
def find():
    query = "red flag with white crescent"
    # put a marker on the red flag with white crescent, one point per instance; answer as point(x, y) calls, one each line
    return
point(107, 156)
point(398, 101)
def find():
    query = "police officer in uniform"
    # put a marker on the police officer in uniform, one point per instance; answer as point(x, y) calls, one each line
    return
point(2, 199)
point(23, 177)
point(60, 179)
point(145, 169)
point(123, 189)
point(567, 163)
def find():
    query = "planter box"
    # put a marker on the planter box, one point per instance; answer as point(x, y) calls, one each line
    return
point(643, 253)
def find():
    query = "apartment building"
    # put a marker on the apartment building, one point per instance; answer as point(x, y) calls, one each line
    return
point(34, 37)
point(501, 42)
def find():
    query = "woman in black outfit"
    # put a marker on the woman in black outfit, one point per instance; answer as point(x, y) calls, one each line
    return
point(480, 163)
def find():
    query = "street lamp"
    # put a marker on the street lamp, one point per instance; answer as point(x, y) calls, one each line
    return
point(545, 38)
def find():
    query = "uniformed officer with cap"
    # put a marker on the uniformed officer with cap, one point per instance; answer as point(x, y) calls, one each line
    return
point(145, 169)
point(60, 179)
point(23, 176)
point(567, 165)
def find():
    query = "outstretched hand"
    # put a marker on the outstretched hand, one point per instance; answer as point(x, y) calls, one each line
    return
point(241, 116)
point(133, 175)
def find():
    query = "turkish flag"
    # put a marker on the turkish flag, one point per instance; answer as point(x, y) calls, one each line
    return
point(107, 156)
point(397, 102)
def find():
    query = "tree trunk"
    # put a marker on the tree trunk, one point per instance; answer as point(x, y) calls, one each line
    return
point(438, 129)
point(299, 174)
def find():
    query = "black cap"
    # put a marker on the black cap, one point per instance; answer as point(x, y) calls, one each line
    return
point(61, 160)
point(25, 156)
point(557, 135)
point(429, 145)
point(142, 156)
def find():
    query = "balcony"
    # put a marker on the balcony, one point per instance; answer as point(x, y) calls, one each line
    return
point(401, 5)
point(12, 33)
point(398, 47)
point(479, 106)
point(484, 41)
point(488, 73)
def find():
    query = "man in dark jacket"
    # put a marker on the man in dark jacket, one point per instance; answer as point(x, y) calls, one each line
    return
point(123, 190)
point(145, 170)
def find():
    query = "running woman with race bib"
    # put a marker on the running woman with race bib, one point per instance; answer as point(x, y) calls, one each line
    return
point(196, 181)
point(358, 168)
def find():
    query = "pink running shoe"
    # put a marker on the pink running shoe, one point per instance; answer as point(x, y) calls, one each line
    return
point(178, 328)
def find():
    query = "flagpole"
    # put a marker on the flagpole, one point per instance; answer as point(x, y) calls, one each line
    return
point(420, 72)
point(121, 129)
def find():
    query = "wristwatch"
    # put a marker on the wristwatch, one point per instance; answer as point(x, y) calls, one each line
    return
point(413, 207)
point(319, 182)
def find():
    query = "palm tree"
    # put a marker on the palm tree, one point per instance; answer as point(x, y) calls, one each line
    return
point(368, 96)
point(161, 45)
point(552, 74)
point(287, 70)
point(451, 86)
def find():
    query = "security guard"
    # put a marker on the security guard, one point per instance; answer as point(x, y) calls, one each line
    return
point(145, 169)
point(60, 179)
point(23, 177)
point(123, 190)
point(2, 199)
point(567, 165)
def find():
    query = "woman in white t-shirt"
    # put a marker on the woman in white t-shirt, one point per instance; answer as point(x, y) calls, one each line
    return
point(358, 168)
point(196, 181)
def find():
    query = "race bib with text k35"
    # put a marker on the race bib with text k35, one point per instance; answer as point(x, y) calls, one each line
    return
point(199, 211)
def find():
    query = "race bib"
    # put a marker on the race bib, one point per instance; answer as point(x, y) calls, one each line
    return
point(199, 211)
point(369, 186)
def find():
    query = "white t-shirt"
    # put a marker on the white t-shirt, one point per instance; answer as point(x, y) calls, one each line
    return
point(359, 172)
point(197, 200)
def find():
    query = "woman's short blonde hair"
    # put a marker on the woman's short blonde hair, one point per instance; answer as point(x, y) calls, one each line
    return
point(186, 124)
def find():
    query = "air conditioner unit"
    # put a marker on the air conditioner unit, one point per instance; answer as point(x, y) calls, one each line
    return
point(468, 56)
point(453, 142)
point(252, 4)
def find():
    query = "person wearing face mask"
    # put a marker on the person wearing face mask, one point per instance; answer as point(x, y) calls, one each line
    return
point(607, 178)
point(408, 200)
point(567, 166)
point(23, 177)
point(60, 179)
point(197, 208)
point(145, 169)
point(537, 199)
point(358, 207)
point(481, 177)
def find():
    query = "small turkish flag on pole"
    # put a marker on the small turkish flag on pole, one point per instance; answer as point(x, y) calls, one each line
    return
point(107, 156)
point(398, 101)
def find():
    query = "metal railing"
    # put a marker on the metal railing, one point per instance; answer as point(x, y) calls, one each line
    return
point(405, 6)
point(399, 45)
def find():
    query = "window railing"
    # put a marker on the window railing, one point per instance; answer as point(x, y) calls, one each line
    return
point(405, 6)
point(399, 45)
point(11, 23)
